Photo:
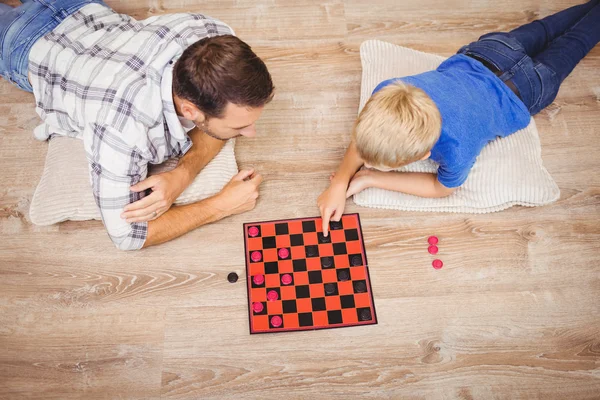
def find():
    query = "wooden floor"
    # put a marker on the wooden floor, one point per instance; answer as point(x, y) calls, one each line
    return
point(514, 313)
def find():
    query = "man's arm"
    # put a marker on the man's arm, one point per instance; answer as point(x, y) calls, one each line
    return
point(238, 196)
point(166, 187)
point(415, 183)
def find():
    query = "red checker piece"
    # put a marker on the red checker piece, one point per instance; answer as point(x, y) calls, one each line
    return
point(286, 279)
point(272, 295)
point(437, 264)
point(256, 256)
point(433, 249)
point(258, 279)
point(257, 307)
point(432, 240)
point(276, 321)
point(253, 231)
point(283, 253)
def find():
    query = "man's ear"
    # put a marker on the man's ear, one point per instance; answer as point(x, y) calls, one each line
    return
point(191, 112)
point(426, 156)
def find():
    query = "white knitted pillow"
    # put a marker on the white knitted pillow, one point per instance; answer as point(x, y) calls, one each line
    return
point(64, 192)
point(508, 171)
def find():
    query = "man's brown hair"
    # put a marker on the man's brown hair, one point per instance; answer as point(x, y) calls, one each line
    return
point(221, 69)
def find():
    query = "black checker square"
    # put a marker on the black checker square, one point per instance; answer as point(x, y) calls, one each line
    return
point(339, 248)
point(318, 304)
point(309, 226)
point(276, 327)
point(311, 251)
point(360, 286)
point(271, 267)
point(281, 229)
point(302, 292)
point(289, 284)
point(364, 314)
point(327, 263)
point(323, 239)
point(355, 260)
point(257, 227)
point(305, 319)
point(275, 289)
point(315, 277)
point(334, 316)
point(343, 274)
point(254, 285)
point(264, 310)
point(331, 289)
point(269, 242)
point(346, 300)
point(299, 265)
point(297, 239)
point(289, 306)
point(284, 258)
point(261, 256)
point(351, 234)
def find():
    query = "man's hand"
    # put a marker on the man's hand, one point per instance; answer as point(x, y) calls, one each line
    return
point(166, 187)
point(331, 203)
point(240, 194)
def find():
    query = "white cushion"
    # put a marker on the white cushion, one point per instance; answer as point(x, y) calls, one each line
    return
point(508, 171)
point(64, 192)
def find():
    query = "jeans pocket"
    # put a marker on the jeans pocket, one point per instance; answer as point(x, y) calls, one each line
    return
point(504, 39)
point(549, 85)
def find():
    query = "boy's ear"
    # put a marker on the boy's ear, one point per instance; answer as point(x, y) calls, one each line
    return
point(426, 156)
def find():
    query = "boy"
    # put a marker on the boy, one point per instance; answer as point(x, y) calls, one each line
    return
point(489, 89)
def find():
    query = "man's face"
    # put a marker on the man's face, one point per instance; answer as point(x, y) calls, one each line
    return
point(236, 121)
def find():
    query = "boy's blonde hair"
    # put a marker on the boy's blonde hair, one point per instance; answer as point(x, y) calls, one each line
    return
point(398, 125)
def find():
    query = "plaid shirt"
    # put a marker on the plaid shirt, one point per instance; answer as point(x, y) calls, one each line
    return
point(106, 78)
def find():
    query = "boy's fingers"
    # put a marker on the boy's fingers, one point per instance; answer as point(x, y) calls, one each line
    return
point(338, 214)
point(326, 216)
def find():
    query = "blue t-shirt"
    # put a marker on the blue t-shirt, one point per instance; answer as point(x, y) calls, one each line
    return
point(476, 107)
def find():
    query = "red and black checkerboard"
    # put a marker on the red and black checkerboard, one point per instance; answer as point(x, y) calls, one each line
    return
point(299, 280)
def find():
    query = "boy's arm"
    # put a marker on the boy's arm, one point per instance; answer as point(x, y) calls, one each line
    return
point(333, 200)
point(238, 196)
point(415, 183)
point(166, 187)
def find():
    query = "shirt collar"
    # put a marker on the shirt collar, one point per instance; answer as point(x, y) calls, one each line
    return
point(178, 126)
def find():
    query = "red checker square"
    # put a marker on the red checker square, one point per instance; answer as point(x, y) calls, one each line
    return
point(310, 238)
point(272, 280)
point(341, 261)
point(356, 274)
point(298, 252)
point(349, 315)
point(285, 266)
point(270, 255)
point(291, 321)
point(317, 290)
point(362, 300)
point(313, 264)
point(329, 275)
point(282, 241)
point(274, 307)
point(254, 244)
point(294, 227)
point(319, 224)
point(320, 318)
point(354, 247)
point(258, 294)
point(257, 269)
point(350, 221)
point(338, 236)
point(304, 305)
point(288, 292)
point(345, 287)
point(300, 278)
point(325, 250)
point(260, 322)
point(267, 230)
point(333, 303)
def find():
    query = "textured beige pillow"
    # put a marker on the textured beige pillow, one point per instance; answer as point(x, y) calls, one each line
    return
point(508, 171)
point(64, 192)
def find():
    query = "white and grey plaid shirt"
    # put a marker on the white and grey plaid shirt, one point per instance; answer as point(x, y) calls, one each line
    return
point(106, 78)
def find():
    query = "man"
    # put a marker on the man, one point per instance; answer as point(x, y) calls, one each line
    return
point(139, 92)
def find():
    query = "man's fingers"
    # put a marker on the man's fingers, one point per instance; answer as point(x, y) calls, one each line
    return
point(257, 179)
point(243, 174)
point(143, 185)
point(148, 211)
point(140, 204)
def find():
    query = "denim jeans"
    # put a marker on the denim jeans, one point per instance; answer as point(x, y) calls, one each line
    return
point(538, 56)
point(22, 26)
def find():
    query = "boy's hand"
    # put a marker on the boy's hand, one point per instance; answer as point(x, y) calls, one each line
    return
point(360, 181)
point(331, 204)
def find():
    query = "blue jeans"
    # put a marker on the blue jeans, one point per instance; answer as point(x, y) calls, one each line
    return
point(22, 26)
point(538, 56)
